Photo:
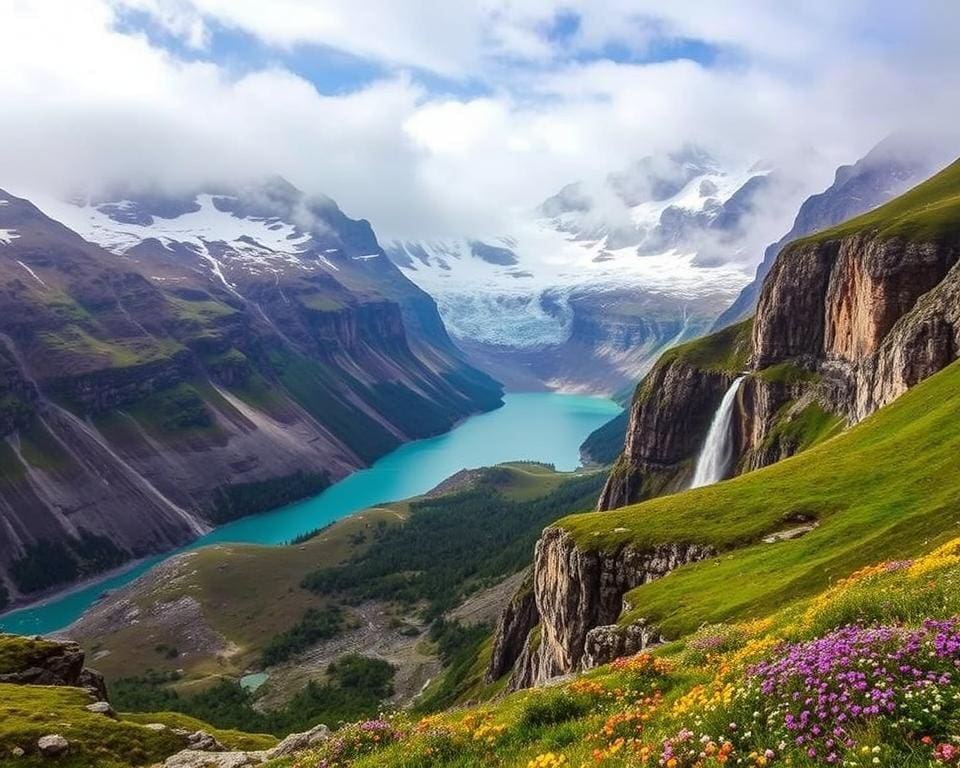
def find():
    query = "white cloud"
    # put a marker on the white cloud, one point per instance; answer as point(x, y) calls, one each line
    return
point(807, 86)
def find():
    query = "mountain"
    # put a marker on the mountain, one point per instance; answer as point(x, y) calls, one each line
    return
point(890, 168)
point(172, 362)
point(850, 320)
point(586, 291)
point(802, 613)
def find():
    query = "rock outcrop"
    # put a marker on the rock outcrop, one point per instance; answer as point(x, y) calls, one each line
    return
point(200, 755)
point(671, 414)
point(578, 590)
point(39, 661)
point(609, 642)
point(871, 315)
point(516, 621)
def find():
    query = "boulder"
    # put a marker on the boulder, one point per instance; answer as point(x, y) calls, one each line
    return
point(52, 745)
point(192, 758)
point(93, 682)
point(201, 741)
point(101, 708)
point(297, 742)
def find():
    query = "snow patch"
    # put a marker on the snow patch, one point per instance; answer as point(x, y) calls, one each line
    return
point(7, 236)
point(259, 245)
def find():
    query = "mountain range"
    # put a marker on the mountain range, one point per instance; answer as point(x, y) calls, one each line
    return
point(819, 571)
point(170, 362)
point(586, 290)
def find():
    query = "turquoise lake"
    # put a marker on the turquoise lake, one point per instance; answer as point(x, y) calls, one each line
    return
point(538, 426)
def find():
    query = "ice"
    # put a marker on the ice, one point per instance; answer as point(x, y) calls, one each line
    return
point(501, 304)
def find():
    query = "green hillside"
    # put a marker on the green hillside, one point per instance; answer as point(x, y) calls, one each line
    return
point(886, 488)
point(874, 584)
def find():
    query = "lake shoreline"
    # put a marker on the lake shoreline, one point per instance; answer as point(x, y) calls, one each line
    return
point(557, 425)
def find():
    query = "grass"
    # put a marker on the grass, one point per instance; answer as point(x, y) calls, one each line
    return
point(320, 303)
point(929, 211)
point(786, 373)
point(805, 428)
point(203, 311)
point(634, 710)
point(250, 593)
point(726, 350)
point(231, 739)
point(19, 653)
point(28, 712)
point(73, 340)
point(525, 480)
point(888, 487)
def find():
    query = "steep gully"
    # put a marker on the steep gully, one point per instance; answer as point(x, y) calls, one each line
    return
point(844, 325)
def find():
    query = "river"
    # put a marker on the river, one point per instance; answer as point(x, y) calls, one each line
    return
point(537, 426)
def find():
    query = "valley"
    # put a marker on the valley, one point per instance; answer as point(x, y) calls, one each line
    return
point(488, 385)
point(547, 427)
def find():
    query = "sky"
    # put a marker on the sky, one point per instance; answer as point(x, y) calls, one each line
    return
point(434, 118)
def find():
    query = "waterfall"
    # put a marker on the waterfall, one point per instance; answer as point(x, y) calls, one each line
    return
point(714, 459)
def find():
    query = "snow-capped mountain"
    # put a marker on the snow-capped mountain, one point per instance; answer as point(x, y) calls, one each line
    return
point(616, 273)
point(253, 231)
point(168, 362)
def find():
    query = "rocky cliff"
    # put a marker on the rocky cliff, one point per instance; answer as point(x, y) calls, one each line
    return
point(577, 590)
point(865, 330)
point(887, 170)
point(847, 321)
point(166, 381)
point(670, 415)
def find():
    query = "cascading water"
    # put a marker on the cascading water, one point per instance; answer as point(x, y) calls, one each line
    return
point(714, 459)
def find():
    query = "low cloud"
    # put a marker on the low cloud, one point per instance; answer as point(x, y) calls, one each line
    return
point(804, 88)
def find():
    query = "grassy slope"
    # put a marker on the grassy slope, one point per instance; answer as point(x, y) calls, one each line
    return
point(726, 350)
point(623, 714)
point(888, 487)
point(28, 712)
point(926, 212)
point(249, 592)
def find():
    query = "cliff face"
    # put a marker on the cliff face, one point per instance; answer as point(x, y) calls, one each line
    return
point(578, 590)
point(847, 321)
point(145, 398)
point(873, 315)
point(670, 415)
point(890, 168)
